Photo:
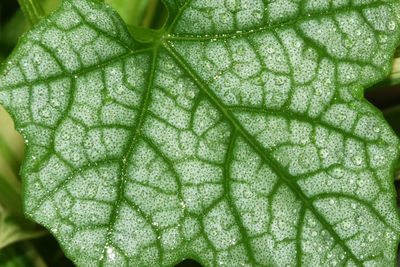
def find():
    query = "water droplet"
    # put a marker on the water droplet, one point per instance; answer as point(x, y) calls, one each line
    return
point(304, 161)
point(377, 129)
point(358, 32)
point(311, 222)
point(391, 25)
point(341, 117)
point(270, 49)
point(65, 136)
point(324, 153)
point(361, 182)
point(368, 41)
point(370, 237)
point(111, 254)
point(92, 16)
point(353, 206)
point(357, 160)
point(225, 17)
point(225, 225)
point(231, 5)
point(314, 233)
point(279, 80)
point(297, 44)
point(319, 91)
point(257, 14)
point(281, 224)
point(382, 38)
point(328, 81)
point(336, 172)
point(75, 157)
point(361, 220)
point(36, 185)
point(55, 103)
point(348, 42)
point(45, 113)
point(346, 225)
point(391, 235)
point(331, 201)
point(168, 64)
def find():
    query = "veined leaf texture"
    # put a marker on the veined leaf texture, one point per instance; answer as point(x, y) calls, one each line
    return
point(238, 137)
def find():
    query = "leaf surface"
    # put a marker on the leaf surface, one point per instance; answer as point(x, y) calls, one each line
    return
point(238, 136)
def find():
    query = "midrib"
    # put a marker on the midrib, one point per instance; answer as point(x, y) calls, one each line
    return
point(257, 147)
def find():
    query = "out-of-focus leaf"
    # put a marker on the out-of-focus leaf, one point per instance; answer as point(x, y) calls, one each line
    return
point(16, 228)
point(11, 144)
point(32, 10)
point(49, 5)
point(22, 254)
point(13, 225)
point(131, 11)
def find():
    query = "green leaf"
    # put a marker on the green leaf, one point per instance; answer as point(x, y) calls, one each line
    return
point(131, 11)
point(237, 137)
point(32, 10)
point(13, 226)
point(20, 255)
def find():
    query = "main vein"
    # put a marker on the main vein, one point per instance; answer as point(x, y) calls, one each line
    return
point(285, 177)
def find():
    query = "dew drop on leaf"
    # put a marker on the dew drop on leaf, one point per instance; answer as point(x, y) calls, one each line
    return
point(392, 25)
point(357, 160)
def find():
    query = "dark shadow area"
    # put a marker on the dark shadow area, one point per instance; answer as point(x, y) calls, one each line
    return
point(7, 9)
point(12, 25)
point(384, 98)
point(160, 16)
point(188, 263)
point(51, 252)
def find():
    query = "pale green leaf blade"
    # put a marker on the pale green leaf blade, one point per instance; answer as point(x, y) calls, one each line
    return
point(238, 137)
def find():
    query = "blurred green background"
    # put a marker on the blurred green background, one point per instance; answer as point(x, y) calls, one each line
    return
point(23, 243)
